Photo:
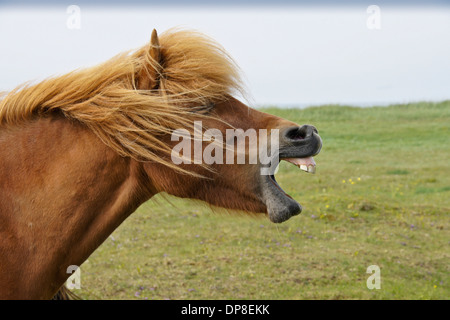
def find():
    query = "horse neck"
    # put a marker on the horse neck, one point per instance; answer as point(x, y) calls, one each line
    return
point(63, 198)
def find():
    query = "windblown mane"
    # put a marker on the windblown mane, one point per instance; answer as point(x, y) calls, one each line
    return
point(193, 73)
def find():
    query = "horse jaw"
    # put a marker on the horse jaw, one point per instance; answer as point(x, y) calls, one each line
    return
point(280, 206)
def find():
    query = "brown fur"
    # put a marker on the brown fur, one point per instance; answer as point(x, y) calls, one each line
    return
point(79, 154)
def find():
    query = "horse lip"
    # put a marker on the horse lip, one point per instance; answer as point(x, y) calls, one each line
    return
point(309, 147)
point(280, 206)
point(319, 148)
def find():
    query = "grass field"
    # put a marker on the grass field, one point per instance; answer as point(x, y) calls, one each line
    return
point(381, 196)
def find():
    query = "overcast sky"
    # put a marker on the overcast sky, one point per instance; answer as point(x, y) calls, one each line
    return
point(290, 55)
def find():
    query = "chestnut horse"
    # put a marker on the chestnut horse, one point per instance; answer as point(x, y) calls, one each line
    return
point(82, 151)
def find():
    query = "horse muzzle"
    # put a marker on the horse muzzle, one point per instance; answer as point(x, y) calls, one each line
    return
point(297, 145)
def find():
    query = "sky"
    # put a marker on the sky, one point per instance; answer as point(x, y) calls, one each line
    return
point(291, 54)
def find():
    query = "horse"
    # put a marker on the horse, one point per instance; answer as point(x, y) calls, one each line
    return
point(82, 151)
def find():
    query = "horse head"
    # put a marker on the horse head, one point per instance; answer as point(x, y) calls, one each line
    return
point(229, 159)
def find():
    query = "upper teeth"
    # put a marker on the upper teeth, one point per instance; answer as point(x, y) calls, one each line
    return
point(310, 168)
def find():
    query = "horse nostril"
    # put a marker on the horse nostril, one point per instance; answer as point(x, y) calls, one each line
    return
point(295, 133)
point(299, 133)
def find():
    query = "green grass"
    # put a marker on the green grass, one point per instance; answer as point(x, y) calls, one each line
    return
point(381, 196)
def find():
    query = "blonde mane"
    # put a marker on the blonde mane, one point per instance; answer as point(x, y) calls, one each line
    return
point(194, 72)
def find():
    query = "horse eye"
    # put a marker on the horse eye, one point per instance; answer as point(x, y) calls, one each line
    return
point(209, 106)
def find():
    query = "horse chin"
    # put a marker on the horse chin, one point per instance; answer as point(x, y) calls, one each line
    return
point(280, 206)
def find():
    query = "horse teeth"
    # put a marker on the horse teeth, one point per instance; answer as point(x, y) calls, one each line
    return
point(311, 169)
point(303, 167)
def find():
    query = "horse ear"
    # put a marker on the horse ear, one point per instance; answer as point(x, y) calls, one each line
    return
point(148, 78)
point(155, 51)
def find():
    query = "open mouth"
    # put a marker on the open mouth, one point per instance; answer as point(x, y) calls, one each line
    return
point(306, 164)
point(280, 205)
